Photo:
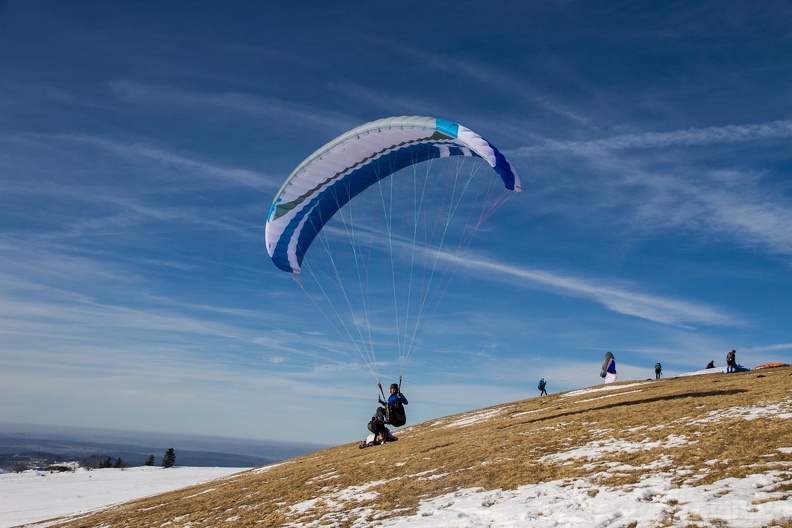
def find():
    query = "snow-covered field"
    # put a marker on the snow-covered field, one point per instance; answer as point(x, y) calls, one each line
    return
point(752, 501)
point(582, 504)
point(38, 495)
point(749, 502)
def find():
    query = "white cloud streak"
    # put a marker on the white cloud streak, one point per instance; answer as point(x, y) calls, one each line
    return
point(743, 205)
point(619, 299)
point(677, 138)
point(633, 303)
point(256, 107)
point(147, 153)
point(772, 348)
point(493, 78)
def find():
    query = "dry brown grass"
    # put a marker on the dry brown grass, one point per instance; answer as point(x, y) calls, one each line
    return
point(690, 427)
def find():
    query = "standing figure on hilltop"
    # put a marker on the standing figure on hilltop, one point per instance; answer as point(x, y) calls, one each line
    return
point(731, 361)
point(658, 370)
point(609, 368)
point(542, 387)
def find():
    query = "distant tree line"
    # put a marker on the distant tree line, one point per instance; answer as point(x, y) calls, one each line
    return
point(108, 462)
point(168, 461)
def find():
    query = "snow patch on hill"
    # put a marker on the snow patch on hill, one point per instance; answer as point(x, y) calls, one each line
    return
point(33, 496)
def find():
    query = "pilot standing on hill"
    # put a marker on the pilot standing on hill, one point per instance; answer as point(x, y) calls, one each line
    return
point(731, 361)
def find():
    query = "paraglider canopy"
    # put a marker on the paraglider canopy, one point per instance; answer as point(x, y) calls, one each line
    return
point(387, 211)
point(608, 368)
point(330, 177)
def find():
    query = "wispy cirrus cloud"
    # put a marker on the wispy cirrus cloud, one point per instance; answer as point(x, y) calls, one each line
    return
point(676, 138)
point(661, 188)
point(90, 302)
point(757, 220)
point(494, 78)
point(744, 206)
point(230, 103)
point(772, 348)
point(50, 145)
point(614, 295)
point(142, 151)
point(620, 299)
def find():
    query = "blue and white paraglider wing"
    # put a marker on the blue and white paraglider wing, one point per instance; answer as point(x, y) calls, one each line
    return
point(343, 168)
point(609, 368)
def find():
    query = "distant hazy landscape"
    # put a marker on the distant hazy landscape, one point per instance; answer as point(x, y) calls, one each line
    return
point(38, 446)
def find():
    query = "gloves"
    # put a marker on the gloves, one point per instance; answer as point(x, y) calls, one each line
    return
point(381, 402)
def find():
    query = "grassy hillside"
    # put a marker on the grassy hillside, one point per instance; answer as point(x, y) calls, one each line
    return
point(696, 431)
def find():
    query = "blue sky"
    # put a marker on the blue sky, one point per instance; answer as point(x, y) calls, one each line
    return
point(142, 142)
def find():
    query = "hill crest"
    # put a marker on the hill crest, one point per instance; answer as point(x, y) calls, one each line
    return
point(710, 450)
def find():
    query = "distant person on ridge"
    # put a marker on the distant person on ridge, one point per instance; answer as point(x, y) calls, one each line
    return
point(658, 370)
point(731, 361)
point(542, 387)
point(711, 364)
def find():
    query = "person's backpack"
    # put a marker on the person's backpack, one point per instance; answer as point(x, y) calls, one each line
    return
point(541, 385)
point(396, 414)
